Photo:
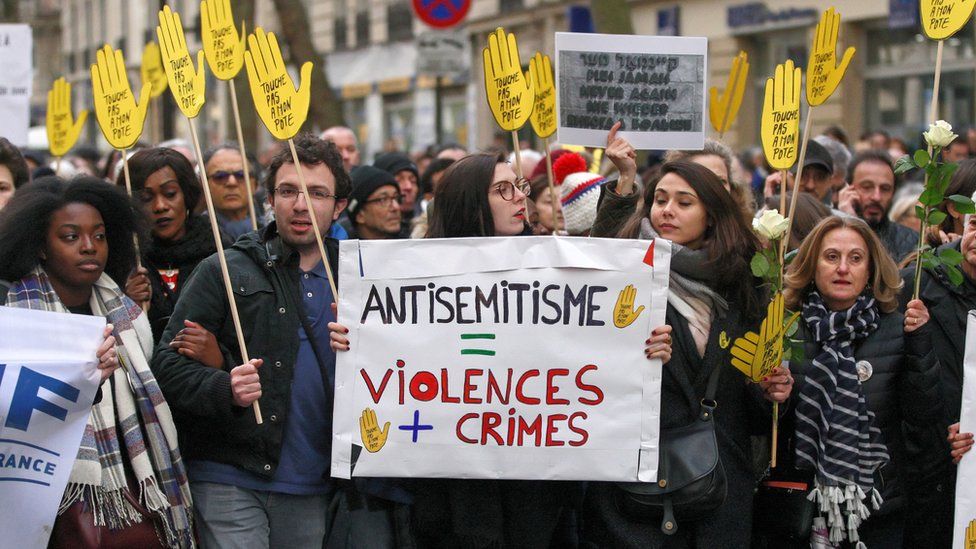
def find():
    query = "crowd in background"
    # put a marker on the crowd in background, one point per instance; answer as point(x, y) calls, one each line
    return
point(895, 362)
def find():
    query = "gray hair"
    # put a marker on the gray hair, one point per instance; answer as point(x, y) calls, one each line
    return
point(839, 154)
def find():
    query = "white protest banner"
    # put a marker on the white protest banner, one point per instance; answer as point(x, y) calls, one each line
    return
point(16, 76)
point(654, 84)
point(48, 381)
point(964, 531)
point(514, 358)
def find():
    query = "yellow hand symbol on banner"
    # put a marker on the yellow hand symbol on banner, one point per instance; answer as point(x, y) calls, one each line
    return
point(781, 117)
point(943, 18)
point(223, 47)
point(722, 109)
point(118, 115)
point(369, 431)
point(543, 117)
point(755, 355)
point(152, 70)
point(511, 95)
point(623, 310)
point(282, 108)
point(823, 72)
point(62, 128)
point(188, 85)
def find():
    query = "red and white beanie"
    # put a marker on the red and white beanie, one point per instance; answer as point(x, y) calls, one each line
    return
point(579, 191)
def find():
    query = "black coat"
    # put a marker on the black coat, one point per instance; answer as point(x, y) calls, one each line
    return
point(741, 412)
point(264, 275)
point(898, 239)
point(903, 388)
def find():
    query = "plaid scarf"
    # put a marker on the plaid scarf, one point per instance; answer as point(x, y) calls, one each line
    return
point(133, 413)
point(835, 432)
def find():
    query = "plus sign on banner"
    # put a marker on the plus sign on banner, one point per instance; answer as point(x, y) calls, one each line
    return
point(441, 13)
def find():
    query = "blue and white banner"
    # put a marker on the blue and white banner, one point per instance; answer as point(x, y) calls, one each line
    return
point(48, 380)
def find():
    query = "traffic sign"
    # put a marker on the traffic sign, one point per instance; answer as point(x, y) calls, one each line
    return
point(441, 13)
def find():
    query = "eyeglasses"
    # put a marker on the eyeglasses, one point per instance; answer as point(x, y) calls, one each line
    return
point(221, 177)
point(385, 201)
point(291, 193)
point(506, 189)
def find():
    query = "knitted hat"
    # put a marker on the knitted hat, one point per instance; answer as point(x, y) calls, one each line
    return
point(580, 191)
point(395, 163)
point(540, 168)
point(365, 181)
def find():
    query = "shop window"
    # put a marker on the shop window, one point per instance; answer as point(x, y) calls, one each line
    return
point(362, 29)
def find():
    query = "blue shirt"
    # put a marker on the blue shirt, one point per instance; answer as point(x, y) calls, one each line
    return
point(306, 450)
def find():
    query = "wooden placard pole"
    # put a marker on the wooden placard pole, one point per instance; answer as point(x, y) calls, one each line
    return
point(557, 205)
point(224, 271)
point(244, 160)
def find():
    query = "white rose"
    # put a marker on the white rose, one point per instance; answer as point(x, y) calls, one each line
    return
point(939, 135)
point(770, 225)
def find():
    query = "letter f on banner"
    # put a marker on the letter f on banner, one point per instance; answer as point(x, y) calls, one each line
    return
point(27, 398)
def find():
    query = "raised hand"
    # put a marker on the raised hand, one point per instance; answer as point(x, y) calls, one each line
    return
point(623, 310)
point(62, 128)
point(188, 85)
point(723, 108)
point(281, 106)
point(369, 431)
point(543, 117)
point(823, 72)
point(781, 117)
point(119, 116)
point(511, 94)
point(152, 71)
point(223, 47)
point(756, 355)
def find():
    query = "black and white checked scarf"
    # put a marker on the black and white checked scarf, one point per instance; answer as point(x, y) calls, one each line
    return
point(835, 432)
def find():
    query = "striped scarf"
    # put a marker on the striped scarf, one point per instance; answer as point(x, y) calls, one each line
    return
point(835, 432)
point(133, 413)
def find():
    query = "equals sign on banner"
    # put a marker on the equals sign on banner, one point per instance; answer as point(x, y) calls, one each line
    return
point(469, 337)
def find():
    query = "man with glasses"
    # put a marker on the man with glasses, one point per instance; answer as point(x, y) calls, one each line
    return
point(267, 485)
point(225, 174)
point(374, 206)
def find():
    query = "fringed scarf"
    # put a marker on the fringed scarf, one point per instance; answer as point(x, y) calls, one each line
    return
point(835, 432)
point(144, 424)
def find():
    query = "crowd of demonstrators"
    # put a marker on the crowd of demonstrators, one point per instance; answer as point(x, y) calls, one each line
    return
point(896, 361)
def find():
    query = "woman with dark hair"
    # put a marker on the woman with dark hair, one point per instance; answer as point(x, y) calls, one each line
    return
point(66, 247)
point(963, 182)
point(13, 171)
point(868, 373)
point(165, 184)
point(480, 196)
point(712, 300)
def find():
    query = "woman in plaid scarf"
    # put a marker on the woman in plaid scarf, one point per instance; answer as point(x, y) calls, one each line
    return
point(66, 247)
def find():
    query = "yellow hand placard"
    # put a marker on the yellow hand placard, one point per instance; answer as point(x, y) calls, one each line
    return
point(281, 106)
point(152, 70)
point(369, 430)
point(722, 109)
point(755, 355)
point(511, 95)
point(62, 128)
point(188, 85)
point(781, 117)
point(943, 18)
point(623, 310)
point(543, 117)
point(221, 44)
point(119, 117)
point(823, 72)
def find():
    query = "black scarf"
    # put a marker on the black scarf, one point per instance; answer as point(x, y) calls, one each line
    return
point(195, 245)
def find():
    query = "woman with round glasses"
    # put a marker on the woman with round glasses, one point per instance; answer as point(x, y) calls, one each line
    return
point(164, 183)
point(481, 196)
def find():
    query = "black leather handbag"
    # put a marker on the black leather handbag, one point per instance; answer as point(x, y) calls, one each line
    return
point(691, 480)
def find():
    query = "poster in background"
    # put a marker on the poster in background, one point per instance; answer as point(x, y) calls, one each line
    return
point(500, 358)
point(48, 381)
point(654, 84)
point(16, 76)
point(964, 531)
